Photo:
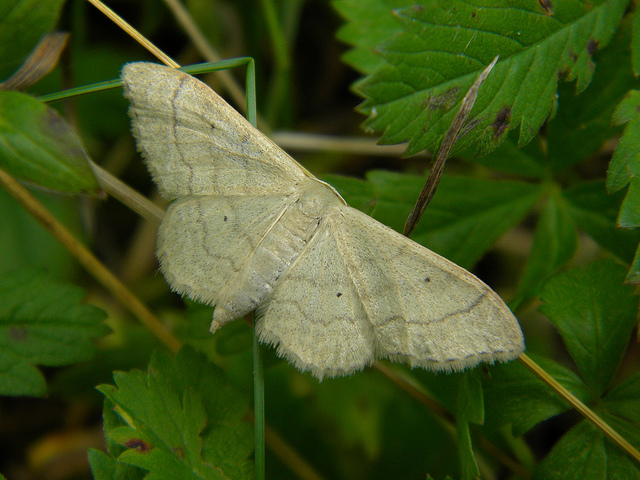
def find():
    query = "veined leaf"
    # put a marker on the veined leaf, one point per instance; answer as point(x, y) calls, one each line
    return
point(104, 467)
point(513, 395)
point(623, 403)
point(468, 465)
point(41, 323)
point(369, 23)
point(38, 146)
point(182, 419)
point(635, 44)
point(583, 122)
point(581, 453)
point(625, 166)
point(554, 243)
point(469, 408)
point(634, 271)
point(595, 313)
point(445, 45)
point(595, 212)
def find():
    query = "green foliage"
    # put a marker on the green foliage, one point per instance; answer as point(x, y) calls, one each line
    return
point(554, 243)
point(444, 45)
point(23, 242)
point(22, 23)
point(565, 226)
point(597, 322)
point(425, 66)
point(625, 169)
point(180, 420)
point(38, 146)
point(594, 313)
point(43, 328)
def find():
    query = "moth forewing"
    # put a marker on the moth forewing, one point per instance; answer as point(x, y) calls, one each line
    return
point(250, 229)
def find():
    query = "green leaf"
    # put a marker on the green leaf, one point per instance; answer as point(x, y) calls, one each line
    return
point(359, 415)
point(470, 402)
point(554, 243)
point(412, 98)
point(23, 242)
point(41, 323)
point(22, 23)
point(338, 423)
point(469, 408)
point(513, 395)
point(625, 166)
point(579, 454)
point(584, 453)
point(634, 272)
point(368, 25)
point(38, 146)
point(630, 209)
point(468, 466)
point(111, 420)
point(104, 467)
point(453, 225)
point(595, 213)
point(622, 405)
point(508, 158)
point(635, 44)
point(583, 122)
point(620, 464)
point(182, 420)
point(595, 313)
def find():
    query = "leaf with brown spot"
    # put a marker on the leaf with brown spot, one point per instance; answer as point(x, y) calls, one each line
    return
point(501, 123)
point(443, 46)
point(181, 419)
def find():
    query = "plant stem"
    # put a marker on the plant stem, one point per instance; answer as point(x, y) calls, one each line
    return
point(580, 407)
point(89, 261)
point(258, 407)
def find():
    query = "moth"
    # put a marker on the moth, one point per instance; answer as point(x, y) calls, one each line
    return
point(250, 229)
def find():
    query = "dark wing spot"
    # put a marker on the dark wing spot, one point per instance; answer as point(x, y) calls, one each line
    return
point(427, 279)
point(338, 295)
point(225, 218)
